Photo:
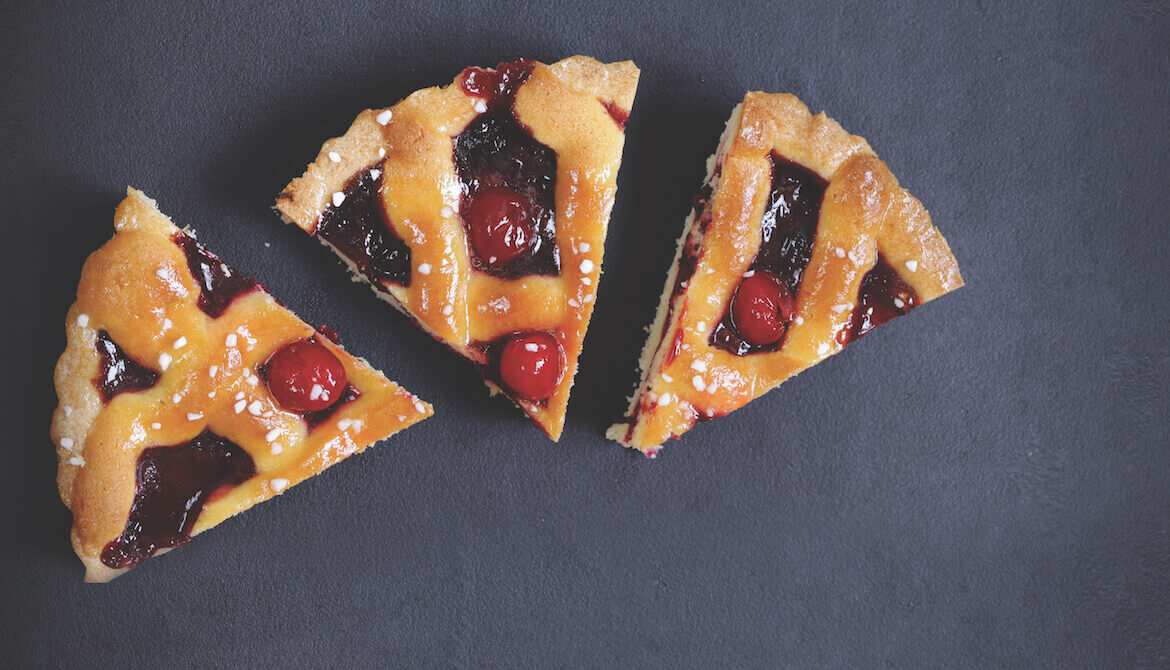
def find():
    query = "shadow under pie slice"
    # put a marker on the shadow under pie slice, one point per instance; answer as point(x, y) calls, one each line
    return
point(188, 394)
point(800, 242)
point(480, 210)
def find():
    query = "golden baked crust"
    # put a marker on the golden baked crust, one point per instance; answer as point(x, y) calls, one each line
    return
point(138, 289)
point(564, 106)
point(864, 212)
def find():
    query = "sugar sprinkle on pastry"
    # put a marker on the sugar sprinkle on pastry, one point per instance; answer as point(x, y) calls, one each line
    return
point(756, 310)
point(140, 386)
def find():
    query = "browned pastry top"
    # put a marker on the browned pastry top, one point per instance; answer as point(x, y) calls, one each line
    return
point(407, 153)
point(198, 365)
point(864, 213)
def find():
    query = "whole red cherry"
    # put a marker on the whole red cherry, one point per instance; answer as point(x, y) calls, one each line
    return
point(501, 225)
point(531, 364)
point(761, 308)
point(304, 376)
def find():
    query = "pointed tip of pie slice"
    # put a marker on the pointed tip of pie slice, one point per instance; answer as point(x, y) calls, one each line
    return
point(168, 352)
point(845, 250)
point(549, 418)
point(410, 178)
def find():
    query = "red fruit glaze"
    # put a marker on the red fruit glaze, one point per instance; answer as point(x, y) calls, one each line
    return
point(619, 115)
point(788, 231)
point(500, 84)
point(117, 372)
point(497, 151)
point(883, 296)
point(761, 308)
point(531, 364)
point(295, 369)
point(172, 484)
point(219, 285)
point(501, 225)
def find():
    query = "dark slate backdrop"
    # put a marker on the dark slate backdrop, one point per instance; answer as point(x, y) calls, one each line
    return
point(980, 484)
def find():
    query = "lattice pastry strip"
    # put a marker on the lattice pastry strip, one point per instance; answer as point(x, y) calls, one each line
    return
point(156, 357)
point(775, 162)
point(529, 149)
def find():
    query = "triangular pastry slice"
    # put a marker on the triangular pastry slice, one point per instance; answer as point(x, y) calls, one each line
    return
point(800, 242)
point(188, 394)
point(480, 210)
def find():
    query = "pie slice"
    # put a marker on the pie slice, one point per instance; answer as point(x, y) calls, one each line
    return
point(188, 394)
point(480, 210)
point(800, 241)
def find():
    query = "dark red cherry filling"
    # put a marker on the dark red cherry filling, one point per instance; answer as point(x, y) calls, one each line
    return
point(761, 309)
point(498, 85)
point(788, 231)
point(304, 376)
point(688, 260)
point(361, 231)
point(508, 180)
point(219, 285)
point(883, 296)
point(688, 256)
point(117, 372)
point(172, 485)
point(329, 333)
point(501, 225)
point(789, 226)
point(619, 115)
point(530, 364)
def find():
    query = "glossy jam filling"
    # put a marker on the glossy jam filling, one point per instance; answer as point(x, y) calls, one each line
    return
point(883, 296)
point(788, 230)
point(219, 285)
point(688, 258)
point(508, 180)
point(527, 365)
point(172, 485)
point(498, 85)
point(361, 231)
point(619, 115)
point(117, 372)
point(329, 333)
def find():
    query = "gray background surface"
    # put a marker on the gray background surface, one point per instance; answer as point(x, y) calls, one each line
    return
point(980, 484)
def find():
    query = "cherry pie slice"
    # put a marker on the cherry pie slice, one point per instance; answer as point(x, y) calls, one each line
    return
point(480, 210)
point(188, 394)
point(800, 242)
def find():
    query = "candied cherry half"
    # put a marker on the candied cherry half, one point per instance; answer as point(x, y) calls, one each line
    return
point(501, 225)
point(304, 376)
point(761, 308)
point(531, 364)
